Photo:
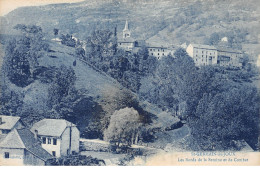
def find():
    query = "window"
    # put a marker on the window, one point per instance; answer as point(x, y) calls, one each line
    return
point(49, 140)
point(54, 141)
point(5, 131)
point(44, 140)
point(151, 49)
point(202, 51)
point(68, 151)
point(6, 155)
point(163, 54)
point(53, 153)
point(158, 50)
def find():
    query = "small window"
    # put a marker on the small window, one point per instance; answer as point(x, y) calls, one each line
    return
point(202, 51)
point(158, 53)
point(68, 151)
point(53, 153)
point(49, 140)
point(54, 141)
point(163, 54)
point(44, 140)
point(6, 155)
point(152, 54)
point(73, 152)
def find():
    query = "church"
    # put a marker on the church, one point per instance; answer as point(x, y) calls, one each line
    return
point(129, 44)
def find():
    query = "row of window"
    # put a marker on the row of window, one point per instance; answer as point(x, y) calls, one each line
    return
point(48, 141)
point(157, 50)
point(158, 54)
point(206, 52)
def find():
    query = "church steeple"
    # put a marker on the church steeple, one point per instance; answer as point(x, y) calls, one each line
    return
point(126, 31)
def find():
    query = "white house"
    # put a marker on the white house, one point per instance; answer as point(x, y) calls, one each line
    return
point(58, 136)
point(21, 147)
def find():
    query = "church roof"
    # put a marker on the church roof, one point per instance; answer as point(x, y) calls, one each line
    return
point(126, 40)
point(51, 127)
point(126, 26)
point(8, 122)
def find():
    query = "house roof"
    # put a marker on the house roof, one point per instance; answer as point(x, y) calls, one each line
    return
point(229, 50)
point(8, 122)
point(24, 139)
point(33, 145)
point(202, 46)
point(51, 127)
point(12, 140)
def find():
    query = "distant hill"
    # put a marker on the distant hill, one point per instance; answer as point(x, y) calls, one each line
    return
point(158, 22)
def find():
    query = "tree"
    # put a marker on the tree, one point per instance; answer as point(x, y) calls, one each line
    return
point(21, 55)
point(123, 127)
point(227, 117)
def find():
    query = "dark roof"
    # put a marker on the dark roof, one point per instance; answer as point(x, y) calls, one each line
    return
point(8, 122)
point(229, 50)
point(24, 139)
point(33, 145)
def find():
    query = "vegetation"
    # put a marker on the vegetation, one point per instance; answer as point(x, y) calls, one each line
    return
point(123, 127)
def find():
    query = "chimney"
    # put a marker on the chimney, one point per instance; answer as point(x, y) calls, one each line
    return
point(36, 134)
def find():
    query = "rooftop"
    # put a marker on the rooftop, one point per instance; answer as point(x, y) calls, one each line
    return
point(24, 139)
point(51, 127)
point(8, 122)
point(204, 46)
point(126, 40)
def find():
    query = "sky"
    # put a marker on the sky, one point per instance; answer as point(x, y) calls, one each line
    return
point(7, 6)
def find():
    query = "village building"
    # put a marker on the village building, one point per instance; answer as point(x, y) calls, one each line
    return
point(204, 55)
point(21, 147)
point(8, 123)
point(160, 51)
point(127, 42)
point(58, 136)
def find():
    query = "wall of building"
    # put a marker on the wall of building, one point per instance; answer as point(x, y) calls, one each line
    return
point(16, 157)
point(203, 57)
point(159, 52)
point(128, 46)
point(50, 147)
point(30, 159)
point(65, 140)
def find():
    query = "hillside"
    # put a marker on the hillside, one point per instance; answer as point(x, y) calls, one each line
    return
point(159, 22)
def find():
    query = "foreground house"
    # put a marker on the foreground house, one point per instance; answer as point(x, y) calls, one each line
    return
point(8, 123)
point(21, 147)
point(58, 136)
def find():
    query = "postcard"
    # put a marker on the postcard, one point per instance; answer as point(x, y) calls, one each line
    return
point(129, 83)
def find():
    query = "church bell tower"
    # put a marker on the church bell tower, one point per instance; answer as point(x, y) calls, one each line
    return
point(126, 31)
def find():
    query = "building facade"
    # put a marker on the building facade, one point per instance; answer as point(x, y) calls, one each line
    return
point(20, 148)
point(204, 55)
point(58, 136)
point(159, 52)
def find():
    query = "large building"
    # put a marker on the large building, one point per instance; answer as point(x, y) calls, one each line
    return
point(58, 136)
point(21, 147)
point(204, 55)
